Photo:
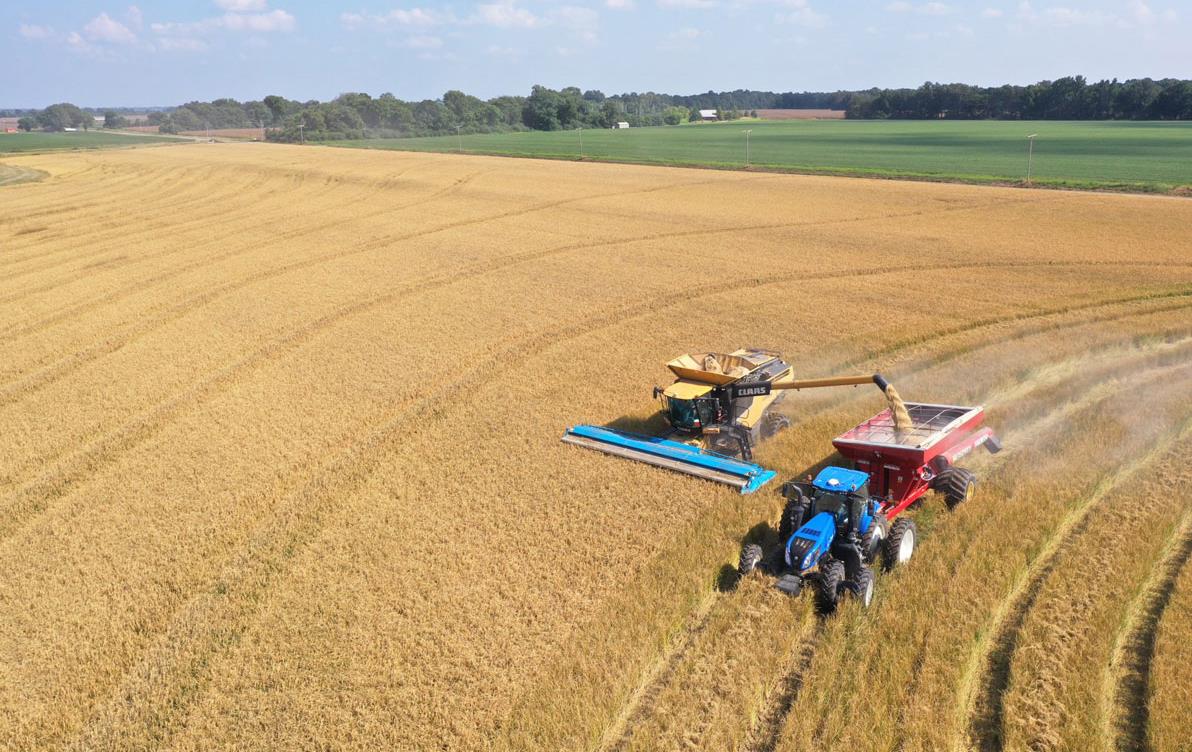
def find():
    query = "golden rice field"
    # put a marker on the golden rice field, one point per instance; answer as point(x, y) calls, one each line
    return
point(281, 468)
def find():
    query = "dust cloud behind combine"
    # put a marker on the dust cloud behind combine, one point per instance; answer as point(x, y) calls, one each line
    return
point(283, 469)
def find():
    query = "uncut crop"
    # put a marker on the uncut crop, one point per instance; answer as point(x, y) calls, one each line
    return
point(282, 465)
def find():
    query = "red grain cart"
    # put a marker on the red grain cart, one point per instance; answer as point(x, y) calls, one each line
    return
point(904, 465)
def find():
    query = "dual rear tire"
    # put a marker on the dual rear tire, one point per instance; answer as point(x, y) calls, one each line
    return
point(956, 484)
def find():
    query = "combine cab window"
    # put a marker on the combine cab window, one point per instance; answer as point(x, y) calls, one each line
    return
point(681, 413)
point(691, 414)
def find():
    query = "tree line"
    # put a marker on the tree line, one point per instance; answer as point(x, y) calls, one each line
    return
point(360, 115)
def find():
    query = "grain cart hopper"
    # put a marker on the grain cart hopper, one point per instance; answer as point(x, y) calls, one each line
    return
point(719, 408)
point(835, 527)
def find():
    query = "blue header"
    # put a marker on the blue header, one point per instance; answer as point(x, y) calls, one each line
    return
point(840, 480)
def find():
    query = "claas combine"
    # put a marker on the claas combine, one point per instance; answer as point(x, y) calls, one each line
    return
point(719, 408)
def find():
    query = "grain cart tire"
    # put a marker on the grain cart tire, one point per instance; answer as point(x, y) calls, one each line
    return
point(751, 555)
point(956, 484)
point(792, 518)
point(871, 541)
point(865, 586)
point(827, 585)
point(900, 544)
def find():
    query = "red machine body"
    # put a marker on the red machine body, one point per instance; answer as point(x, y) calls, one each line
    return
point(902, 464)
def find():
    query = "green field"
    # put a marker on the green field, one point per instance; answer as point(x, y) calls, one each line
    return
point(20, 142)
point(1148, 156)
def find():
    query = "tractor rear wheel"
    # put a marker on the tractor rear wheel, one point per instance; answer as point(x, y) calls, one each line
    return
point(792, 517)
point(751, 555)
point(864, 585)
point(900, 545)
point(871, 541)
point(956, 484)
point(827, 585)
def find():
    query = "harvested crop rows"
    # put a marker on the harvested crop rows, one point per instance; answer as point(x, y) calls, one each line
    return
point(282, 467)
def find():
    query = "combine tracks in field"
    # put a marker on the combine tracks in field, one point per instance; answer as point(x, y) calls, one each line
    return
point(1126, 695)
point(989, 675)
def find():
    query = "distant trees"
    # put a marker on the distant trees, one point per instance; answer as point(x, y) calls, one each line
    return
point(1068, 98)
point(27, 123)
point(113, 119)
point(58, 117)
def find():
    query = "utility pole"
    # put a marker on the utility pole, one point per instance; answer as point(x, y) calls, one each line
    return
point(459, 137)
point(747, 146)
point(581, 142)
point(1030, 155)
point(301, 132)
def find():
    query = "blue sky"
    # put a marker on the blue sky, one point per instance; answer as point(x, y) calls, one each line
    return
point(106, 52)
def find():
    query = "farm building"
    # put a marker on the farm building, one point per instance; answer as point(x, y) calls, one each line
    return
point(621, 124)
point(708, 115)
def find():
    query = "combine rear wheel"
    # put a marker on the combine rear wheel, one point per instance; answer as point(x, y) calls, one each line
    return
point(751, 555)
point(827, 585)
point(956, 484)
point(900, 545)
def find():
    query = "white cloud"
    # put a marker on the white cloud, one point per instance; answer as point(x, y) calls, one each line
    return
point(922, 9)
point(272, 21)
point(103, 28)
point(991, 13)
point(688, 4)
point(506, 15)
point(395, 17)
point(242, 6)
point(620, 4)
point(33, 31)
point(681, 39)
point(498, 51)
point(135, 18)
point(802, 14)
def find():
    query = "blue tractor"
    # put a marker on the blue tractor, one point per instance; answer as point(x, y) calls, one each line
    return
point(831, 532)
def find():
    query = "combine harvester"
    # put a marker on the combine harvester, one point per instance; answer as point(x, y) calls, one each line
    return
point(835, 527)
point(719, 408)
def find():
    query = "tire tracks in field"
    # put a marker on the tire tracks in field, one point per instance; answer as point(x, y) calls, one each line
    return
point(1127, 690)
point(177, 311)
point(181, 187)
point(186, 306)
point(296, 181)
point(766, 731)
point(989, 675)
point(263, 558)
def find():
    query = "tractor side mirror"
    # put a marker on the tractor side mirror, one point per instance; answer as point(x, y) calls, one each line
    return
point(657, 392)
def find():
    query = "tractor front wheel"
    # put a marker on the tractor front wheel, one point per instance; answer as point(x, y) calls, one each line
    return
point(751, 556)
point(956, 484)
point(827, 585)
point(900, 545)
